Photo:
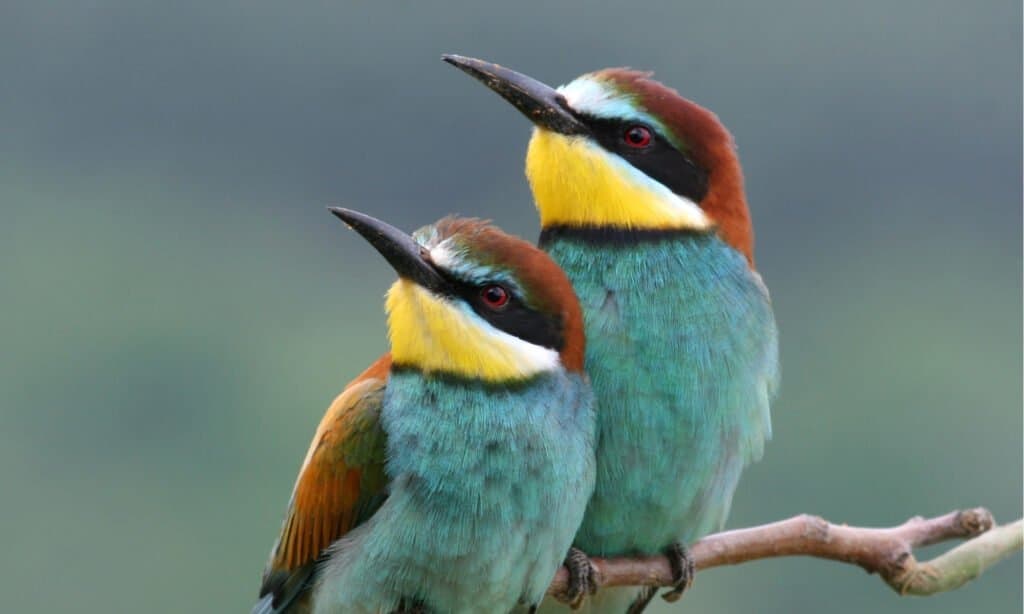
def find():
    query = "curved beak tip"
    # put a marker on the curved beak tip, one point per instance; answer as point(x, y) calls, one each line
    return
point(399, 248)
point(478, 69)
point(540, 103)
point(343, 214)
point(461, 61)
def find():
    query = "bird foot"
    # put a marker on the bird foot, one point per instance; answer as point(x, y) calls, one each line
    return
point(582, 578)
point(683, 571)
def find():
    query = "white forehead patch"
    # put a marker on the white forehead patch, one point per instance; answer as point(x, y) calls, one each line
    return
point(446, 255)
point(598, 98)
point(442, 255)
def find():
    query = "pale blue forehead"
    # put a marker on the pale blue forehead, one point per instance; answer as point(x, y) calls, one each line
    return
point(454, 255)
point(427, 236)
point(591, 95)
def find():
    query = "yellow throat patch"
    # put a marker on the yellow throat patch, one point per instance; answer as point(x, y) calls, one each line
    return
point(576, 183)
point(434, 334)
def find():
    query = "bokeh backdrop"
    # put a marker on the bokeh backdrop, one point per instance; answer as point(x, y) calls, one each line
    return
point(178, 308)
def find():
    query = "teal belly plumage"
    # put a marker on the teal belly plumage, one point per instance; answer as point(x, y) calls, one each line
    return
point(487, 487)
point(682, 355)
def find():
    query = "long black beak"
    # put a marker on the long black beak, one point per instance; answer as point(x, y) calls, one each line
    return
point(409, 259)
point(541, 104)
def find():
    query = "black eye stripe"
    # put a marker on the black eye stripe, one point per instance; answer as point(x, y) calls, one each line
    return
point(659, 160)
point(517, 319)
point(514, 317)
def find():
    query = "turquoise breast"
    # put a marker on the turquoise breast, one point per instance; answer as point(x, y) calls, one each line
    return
point(682, 354)
point(487, 487)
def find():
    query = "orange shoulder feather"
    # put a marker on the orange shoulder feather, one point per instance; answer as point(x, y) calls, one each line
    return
point(340, 484)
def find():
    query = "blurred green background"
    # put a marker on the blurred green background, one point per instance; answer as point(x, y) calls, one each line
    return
point(178, 307)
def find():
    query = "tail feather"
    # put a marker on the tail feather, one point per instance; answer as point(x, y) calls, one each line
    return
point(612, 600)
point(264, 606)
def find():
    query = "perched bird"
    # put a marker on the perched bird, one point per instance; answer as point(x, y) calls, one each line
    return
point(452, 474)
point(641, 202)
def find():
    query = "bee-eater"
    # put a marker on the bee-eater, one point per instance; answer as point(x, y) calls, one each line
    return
point(641, 202)
point(452, 474)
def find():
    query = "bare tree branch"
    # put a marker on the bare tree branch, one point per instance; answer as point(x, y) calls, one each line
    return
point(886, 551)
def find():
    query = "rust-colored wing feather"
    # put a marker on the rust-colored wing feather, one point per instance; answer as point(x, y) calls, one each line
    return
point(340, 485)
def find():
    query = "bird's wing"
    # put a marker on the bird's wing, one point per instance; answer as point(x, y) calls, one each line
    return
point(340, 485)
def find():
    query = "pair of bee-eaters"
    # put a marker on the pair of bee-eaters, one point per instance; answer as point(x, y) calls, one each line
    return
point(603, 392)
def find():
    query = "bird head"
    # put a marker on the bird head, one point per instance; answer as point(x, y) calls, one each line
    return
point(473, 302)
point(615, 150)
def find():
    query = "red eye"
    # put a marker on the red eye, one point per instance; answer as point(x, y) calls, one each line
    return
point(494, 296)
point(637, 136)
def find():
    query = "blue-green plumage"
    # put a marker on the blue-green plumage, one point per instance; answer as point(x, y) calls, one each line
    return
point(682, 354)
point(452, 474)
point(640, 195)
point(487, 487)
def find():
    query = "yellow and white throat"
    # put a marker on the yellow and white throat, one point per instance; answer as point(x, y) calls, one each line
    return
point(577, 183)
point(437, 335)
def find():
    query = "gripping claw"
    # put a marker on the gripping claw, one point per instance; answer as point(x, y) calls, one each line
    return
point(683, 571)
point(582, 579)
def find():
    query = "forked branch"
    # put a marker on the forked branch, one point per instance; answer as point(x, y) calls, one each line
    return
point(889, 552)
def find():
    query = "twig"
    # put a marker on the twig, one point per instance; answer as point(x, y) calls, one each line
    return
point(887, 552)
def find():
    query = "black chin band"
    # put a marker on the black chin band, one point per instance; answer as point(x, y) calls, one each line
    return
point(463, 381)
point(613, 236)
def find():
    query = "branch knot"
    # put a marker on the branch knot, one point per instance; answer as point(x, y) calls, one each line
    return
point(975, 521)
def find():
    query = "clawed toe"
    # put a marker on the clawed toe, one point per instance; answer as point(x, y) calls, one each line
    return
point(683, 571)
point(582, 579)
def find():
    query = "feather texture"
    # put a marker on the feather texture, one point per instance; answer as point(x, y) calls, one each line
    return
point(682, 353)
point(486, 489)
